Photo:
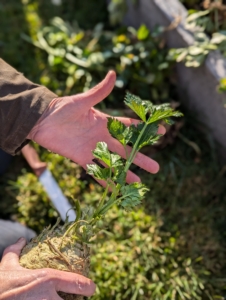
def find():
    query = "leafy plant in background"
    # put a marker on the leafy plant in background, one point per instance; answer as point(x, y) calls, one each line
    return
point(209, 34)
point(194, 55)
point(200, 22)
point(117, 10)
point(216, 20)
point(78, 59)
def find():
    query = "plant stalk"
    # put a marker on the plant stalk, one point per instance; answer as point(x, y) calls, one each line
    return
point(130, 160)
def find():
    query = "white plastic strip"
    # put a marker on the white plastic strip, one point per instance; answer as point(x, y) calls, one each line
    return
point(55, 194)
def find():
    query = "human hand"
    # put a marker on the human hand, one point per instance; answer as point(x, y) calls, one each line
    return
point(19, 283)
point(71, 127)
point(33, 160)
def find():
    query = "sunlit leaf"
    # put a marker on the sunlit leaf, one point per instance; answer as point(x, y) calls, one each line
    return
point(142, 32)
point(98, 172)
point(148, 137)
point(120, 175)
point(119, 131)
point(102, 153)
point(195, 50)
point(163, 112)
point(133, 194)
point(135, 103)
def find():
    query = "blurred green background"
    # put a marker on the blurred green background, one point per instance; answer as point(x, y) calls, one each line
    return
point(173, 246)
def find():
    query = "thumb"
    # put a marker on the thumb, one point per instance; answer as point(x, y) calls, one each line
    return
point(99, 92)
point(11, 254)
point(72, 283)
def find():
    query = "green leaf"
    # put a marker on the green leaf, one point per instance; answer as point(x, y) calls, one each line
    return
point(119, 131)
point(116, 160)
point(120, 176)
point(142, 32)
point(169, 121)
point(70, 82)
point(222, 85)
point(182, 55)
point(98, 172)
point(163, 111)
point(192, 17)
point(133, 194)
point(195, 50)
point(149, 136)
point(137, 105)
point(102, 153)
point(218, 38)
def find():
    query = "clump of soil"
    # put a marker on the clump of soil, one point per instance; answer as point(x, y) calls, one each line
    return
point(57, 248)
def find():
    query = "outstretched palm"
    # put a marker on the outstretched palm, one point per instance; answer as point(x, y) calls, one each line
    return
point(72, 127)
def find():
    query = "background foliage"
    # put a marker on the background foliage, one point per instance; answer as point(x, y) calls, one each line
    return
point(207, 22)
point(79, 59)
point(171, 247)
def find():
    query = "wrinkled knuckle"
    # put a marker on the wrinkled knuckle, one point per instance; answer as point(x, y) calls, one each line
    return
point(43, 275)
point(50, 282)
point(51, 275)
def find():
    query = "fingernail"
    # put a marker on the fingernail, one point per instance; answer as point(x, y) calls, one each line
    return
point(20, 240)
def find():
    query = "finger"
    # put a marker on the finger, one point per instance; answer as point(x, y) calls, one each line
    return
point(11, 254)
point(72, 283)
point(140, 160)
point(100, 91)
point(102, 183)
point(146, 163)
point(128, 121)
point(130, 178)
point(161, 130)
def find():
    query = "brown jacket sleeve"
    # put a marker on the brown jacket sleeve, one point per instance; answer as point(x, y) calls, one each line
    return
point(21, 105)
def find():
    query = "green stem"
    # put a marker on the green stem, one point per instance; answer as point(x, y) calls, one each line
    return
point(134, 150)
point(109, 205)
point(133, 153)
point(101, 202)
point(95, 214)
point(111, 201)
point(69, 229)
point(126, 152)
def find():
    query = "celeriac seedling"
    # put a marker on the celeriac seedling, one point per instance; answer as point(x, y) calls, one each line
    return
point(67, 247)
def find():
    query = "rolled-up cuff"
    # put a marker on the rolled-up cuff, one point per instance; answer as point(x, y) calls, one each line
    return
point(22, 103)
point(17, 139)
